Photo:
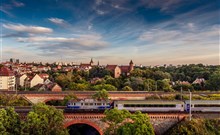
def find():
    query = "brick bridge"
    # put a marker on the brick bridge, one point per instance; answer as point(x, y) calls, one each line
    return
point(36, 97)
point(160, 121)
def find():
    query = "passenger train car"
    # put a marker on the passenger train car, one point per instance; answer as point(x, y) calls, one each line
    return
point(88, 104)
point(203, 105)
point(149, 105)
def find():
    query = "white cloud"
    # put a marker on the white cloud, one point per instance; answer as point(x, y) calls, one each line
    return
point(17, 3)
point(163, 5)
point(82, 40)
point(160, 35)
point(98, 2)
point(29, 29)
point(100, 12)
point(90, 26)
point(57, 21)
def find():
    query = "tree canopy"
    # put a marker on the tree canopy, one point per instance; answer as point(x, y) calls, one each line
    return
point(45, 120)
point(122, 122)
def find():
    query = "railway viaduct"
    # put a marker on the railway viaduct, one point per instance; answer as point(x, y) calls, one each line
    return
point(160, 121)
point(47, 96)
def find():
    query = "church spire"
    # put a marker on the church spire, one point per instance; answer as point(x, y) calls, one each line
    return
point(91, 62)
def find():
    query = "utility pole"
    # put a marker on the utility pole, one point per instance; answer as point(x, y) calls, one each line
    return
point(190, 103)
point(148, 88)
point(181, 93)
point(16, 89)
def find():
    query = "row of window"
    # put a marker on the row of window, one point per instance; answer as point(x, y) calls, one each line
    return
point(149, 105)
point(207, 105)
point(91, 104)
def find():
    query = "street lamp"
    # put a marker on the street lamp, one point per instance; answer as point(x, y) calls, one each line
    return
point(190, 103)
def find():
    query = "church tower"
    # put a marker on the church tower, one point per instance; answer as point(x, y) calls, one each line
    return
point(91, 62)
point(131, 65)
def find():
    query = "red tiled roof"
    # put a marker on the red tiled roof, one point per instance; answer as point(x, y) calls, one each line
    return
point(85, 65)
point(43, 75)
point(125, 68)
point(4, 71)
point(111, 67)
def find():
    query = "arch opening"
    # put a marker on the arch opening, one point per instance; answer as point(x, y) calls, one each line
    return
point(54, 102)
point(94, 126)
point(82, 129)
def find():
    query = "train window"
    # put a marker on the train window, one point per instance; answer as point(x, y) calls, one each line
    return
point(81, 104)
point(116, 105)
point(90, 103)
point(99, 104)
point(74, 104)
point(207, 105)
point(95, 103)
point(86, 103)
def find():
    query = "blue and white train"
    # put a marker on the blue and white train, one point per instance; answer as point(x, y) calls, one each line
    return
point(88, 105)
point(146, 105)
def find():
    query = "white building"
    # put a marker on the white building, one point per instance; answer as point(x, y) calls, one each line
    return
point(7, 79)
point(33, 81)
point(21, 80)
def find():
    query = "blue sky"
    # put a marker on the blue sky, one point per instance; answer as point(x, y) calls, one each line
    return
point(150, 32)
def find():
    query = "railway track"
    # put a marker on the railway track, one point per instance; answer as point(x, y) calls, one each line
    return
point(93, 92)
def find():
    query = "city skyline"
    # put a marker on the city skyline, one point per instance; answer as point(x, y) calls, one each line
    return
point(112, 32)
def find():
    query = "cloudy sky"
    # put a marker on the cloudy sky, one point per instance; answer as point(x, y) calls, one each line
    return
point(150, 32)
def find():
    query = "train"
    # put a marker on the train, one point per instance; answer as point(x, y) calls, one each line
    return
point(145, 105)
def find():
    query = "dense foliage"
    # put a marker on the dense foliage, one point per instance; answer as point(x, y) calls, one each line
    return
point(10, 122)
point(122, 122)
point(164, 78)
point(101, 95)
point(42, 120)
point(196, 127)
point(12, 100)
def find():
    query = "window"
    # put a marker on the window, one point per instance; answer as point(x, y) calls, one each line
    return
point(207, 105)
point(149, 105)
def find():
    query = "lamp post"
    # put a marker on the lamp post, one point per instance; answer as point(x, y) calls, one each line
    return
point(190, 102)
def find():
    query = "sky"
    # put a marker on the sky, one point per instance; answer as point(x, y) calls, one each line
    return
point(149, 32)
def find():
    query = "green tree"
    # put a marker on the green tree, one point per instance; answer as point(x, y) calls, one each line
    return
point(101, 95)
point(10, 123)
point(139, 125)
point(107, 87)
point(122, 122)
point(164, 85)
point(214, 81)
point(45, 120)
point(12, 100)
point(127, 88)
point(196, 127)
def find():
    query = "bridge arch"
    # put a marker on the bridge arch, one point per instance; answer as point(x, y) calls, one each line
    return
point(52, 99)
point(81, 121)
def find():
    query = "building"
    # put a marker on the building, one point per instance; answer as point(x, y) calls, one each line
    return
point(118, 70)
point(127, 69)
point(199, 81)
point(33, 81)
point(21, 80)
point(86, 66)
point(115, 69)
point(7, 79)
